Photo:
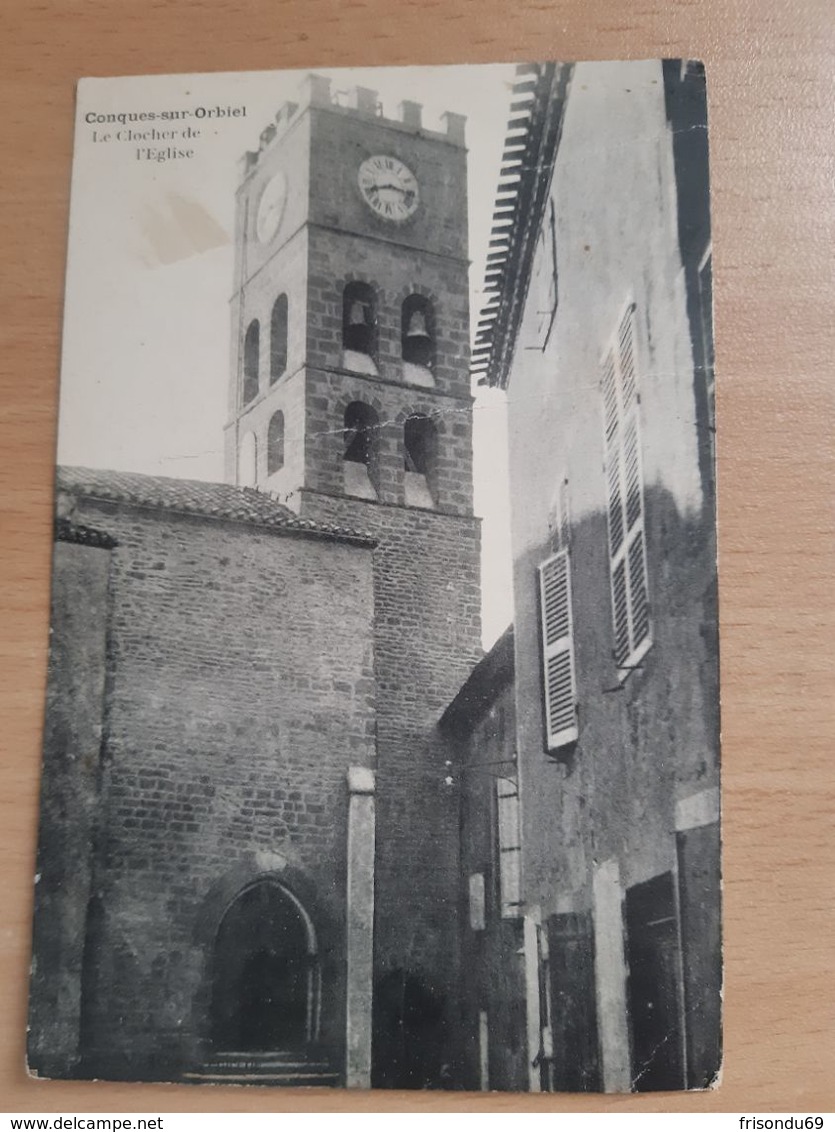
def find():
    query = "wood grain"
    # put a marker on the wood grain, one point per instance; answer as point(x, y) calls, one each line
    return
point(770, 66)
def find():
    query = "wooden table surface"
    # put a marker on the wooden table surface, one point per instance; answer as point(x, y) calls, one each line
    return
point(770, 67)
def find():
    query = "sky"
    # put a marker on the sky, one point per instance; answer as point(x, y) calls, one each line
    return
point(146, 345)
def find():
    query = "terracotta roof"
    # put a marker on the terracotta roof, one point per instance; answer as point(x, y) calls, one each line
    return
point(195, 497)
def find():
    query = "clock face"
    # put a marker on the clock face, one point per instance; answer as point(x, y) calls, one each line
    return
point(389, 188)
point(271, 207)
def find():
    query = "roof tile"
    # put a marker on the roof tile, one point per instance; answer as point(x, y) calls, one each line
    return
point(196, 497)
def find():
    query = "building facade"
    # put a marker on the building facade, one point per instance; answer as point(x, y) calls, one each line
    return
point(209, 754)
point(599, 328)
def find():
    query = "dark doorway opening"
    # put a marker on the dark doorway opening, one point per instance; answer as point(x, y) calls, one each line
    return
point(575, 1066)
point(699, 863)
point(655, 987)
point(409, 1034)
point(265, 975)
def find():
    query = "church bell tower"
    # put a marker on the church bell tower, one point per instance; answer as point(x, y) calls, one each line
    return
point(350, 401)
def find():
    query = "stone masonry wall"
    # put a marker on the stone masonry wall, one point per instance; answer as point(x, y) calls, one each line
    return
point(427, 563)
point(329, 394)
point(427, 638)
point(394, 272)
point(341, 139)
point(235, 702)
point(69, 793)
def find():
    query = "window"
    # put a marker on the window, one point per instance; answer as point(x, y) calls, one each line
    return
point(252, 352)
point(359, 324)
point(558, 650)
point(625, 491)
point(510, 848)
point(360, 455)
point(417, 339)
point(275, 443)
point(278, 339)
point(420, 447)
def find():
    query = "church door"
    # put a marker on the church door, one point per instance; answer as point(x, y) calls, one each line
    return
point(265, 975)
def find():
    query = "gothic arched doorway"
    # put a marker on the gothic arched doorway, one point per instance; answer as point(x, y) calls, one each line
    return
point(265, 976)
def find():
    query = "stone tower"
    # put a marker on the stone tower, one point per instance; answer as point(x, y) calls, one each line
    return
point(350, 400)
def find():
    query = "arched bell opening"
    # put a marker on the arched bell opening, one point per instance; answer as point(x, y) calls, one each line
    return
point(266, 981)
point(360, 457)
point(359, 328)
point(417, 340)
point(420, 449)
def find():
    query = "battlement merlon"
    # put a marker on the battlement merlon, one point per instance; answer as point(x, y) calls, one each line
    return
point(315, 90)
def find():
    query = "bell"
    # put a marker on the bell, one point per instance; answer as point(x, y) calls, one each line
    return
point(358, 314)
point(417, 325)
point(418, 348)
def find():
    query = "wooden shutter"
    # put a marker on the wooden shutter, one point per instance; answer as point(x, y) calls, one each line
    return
point(558, 650)
point(625, 496)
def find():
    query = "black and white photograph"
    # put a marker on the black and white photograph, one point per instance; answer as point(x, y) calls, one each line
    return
point(381, 744)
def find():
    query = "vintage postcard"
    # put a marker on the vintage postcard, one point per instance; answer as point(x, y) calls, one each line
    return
point(382, 731)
